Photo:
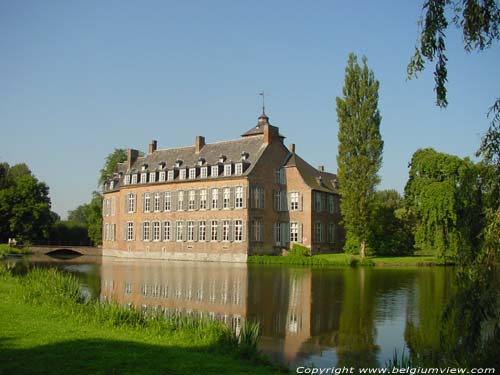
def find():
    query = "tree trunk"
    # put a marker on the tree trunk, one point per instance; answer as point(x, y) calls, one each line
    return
point(363, 249)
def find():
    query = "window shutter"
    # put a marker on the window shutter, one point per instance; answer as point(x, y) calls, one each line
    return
point(126, 203)
point(142, 202)
point(162, 204)
point(283, 201)
point(173, 201)
point(186, 200)
point(301, 202)
point(197, 199)
point(125, 231)
point(245, 196)
point(151, 230)
point(184, 230)
point(275, 235)
point(195, 231)
point(219, 231)
point(173, 231)
point(263, 198)
point(299, 225)
point(244, 230)
point(220, 197)
point(231, 230)
point(231, 197)
point(142, 232)
point(275, 199)
point(252, 234)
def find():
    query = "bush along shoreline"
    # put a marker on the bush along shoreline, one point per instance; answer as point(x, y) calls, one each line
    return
point(55, 292)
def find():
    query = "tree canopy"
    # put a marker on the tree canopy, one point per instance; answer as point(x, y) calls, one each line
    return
point(119, 155)
point(360, 149)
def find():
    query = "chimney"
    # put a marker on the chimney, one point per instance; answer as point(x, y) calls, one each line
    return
point(271, 134)
point(132, 156)
point(292, 148)
point(321, 168)
point(152, 146)
point(199, 142)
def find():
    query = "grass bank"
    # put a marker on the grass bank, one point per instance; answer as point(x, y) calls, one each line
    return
point(48, 329)
point(6, 249)
point(346, 260)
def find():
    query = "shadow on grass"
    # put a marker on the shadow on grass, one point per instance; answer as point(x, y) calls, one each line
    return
point(97, 356)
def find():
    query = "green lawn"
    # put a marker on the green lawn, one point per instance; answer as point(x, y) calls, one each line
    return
point(49, 337)
point(6, 249)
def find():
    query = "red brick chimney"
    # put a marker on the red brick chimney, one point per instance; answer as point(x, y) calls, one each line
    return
point(152, 146)
point(321, 168)
point(292, 148)
point(199, 143)
point(271, 134)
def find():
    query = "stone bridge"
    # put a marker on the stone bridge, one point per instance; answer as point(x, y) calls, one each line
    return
point(65, 250)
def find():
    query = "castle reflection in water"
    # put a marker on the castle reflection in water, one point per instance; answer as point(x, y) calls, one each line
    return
point(325, 317)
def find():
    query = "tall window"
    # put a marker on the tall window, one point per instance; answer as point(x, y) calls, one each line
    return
point(190, 230)
point(156, 231)
point(238, 203)
point(279, 175)
point(257, 230)
point(331, 232)
point(191, 199)
point(113, 206)
point(147, 202)
point(126, 181)
point(318, 231)
point(202, 235)
point(157, 206)
point(144, 178)
point(180, 201)
point(182, 174)
point(277, 233)
point(226, 198)
point(134, 178)
point(238, 230)
point(162, 176)
point(204, 172)
point(146, 231)
point(179, 225)
point(203, 199)
point(331, 205)
point(215, 199)
point(317, 202)
point(225, 230)
point(214, 227)
point(294, 201)
point(238, 169)
point(215, 171)
point(152, 177)
point(192, 173)
point(258, 197)
point(294, 232)
point(167, 231)
point(130, 230)
point(168, 201)
point(228, 169)
point(131, 202)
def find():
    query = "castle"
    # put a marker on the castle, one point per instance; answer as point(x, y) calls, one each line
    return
point(220, 201)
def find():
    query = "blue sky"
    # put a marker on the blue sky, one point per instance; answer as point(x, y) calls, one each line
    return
point(80, 78)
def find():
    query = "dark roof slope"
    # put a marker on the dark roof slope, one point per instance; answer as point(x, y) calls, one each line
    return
point(315, 179)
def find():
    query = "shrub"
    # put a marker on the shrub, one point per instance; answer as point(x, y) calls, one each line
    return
point(299, 251)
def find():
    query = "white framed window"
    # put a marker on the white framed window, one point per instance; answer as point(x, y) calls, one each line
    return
point(167, 204)
point(144, 178)
point(215, 199)
point(190, 230)
point(225, 230)
point(130, 202)
point(170, 175)
point(134, 178)
point(156, 204)
point(238, 169)
point(214, 227)
point(152, 177)
point(182, 174)
point(318, 231)
point(156, 231)
point(191, 199)
point(203, 199)
point(294, 201)
point(126, 179)
point(179, 225)
point(238, 196)
point(161, 176)
point(318, 206)
point(228, 168)
point(202, 232)
point(130, 230)
point(331, 204)
point(238, 230)
point(192, 173)
point(204, 172)
point(146, 231)
point(167, 231)
point(147, 202)
point(215, 171)
point(180, 201)
point(257, 230)
point(294, 232)
point(331, 232)
point(226, 196)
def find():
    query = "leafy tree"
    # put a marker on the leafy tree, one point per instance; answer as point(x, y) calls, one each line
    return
point(119, 155)
point(89, 216)
point(444, 195)
point(80, 215)
point(69, 233)
point(391, 225)
point(360, 150)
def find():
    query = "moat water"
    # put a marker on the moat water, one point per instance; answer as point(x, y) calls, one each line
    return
point(308, 316)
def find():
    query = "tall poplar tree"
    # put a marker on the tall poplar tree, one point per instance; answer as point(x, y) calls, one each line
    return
point(360, 150)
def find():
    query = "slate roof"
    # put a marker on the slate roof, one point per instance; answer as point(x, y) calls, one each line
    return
point(211, 152)
point(314, 178)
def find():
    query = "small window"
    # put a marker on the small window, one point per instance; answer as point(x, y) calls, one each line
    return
point(294, 201)
point(226, 196)
point(170, 175)
point(203, 199)
point(130, 231)
point(228, 168)
point(147, 202)
point(204, 172)
point(126, 181)
point(134, 178)
point(238, 197)
point(202, 231)
point(152, 177)
point(191, 199)
point(168, 201)
point(162, 176)
point(192, 173)
point(215, 171)
point(238, 169)
point(144, 178)
point(182, 174)
point(294, 232)
point(215, 199)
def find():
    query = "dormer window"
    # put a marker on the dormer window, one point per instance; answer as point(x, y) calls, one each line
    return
point(228, 168)
point(182, 174)
point(238, 169)
point(144, 178)
point(170, 175)
point(144, 166)
point(152, 177)
point(161, 176)
point(244, 155)
point(178, 163)
point(192, 173)
point(161, 165)
point(215, 171)
point(134, 178)
point(204, 172)
point(201, 161)
point(222, 158)
point(126, 180)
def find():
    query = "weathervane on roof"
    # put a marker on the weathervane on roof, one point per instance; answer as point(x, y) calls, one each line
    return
point(263, 94)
